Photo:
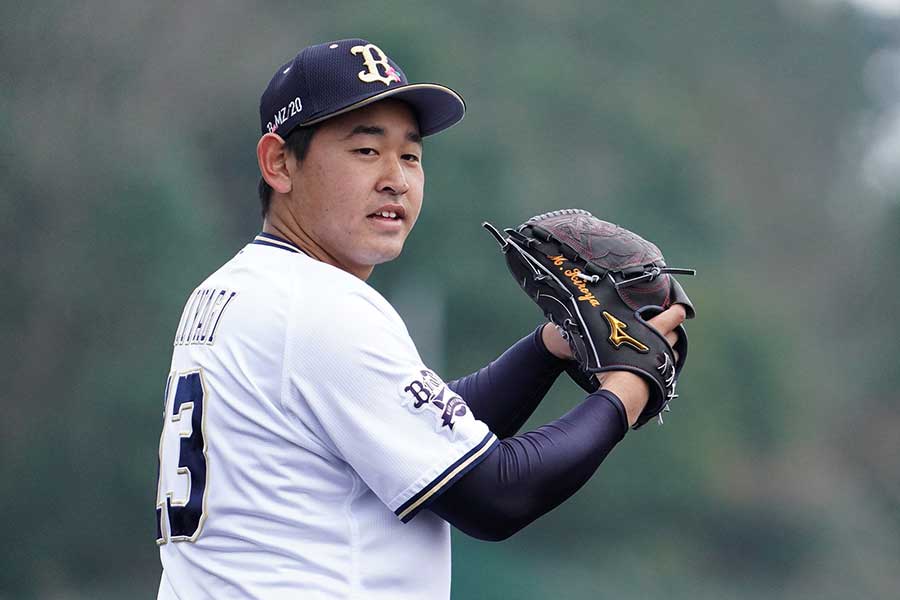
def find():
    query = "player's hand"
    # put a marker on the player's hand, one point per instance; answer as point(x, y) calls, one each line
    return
point(555, 342)
point(665, 322)
point(632, 389)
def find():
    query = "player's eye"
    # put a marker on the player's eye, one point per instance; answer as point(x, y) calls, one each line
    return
point(366, 151)
point(411, 158)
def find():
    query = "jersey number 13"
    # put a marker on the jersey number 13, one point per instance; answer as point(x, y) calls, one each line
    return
point(181, 485)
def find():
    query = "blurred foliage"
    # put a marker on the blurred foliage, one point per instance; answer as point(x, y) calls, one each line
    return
point(718, 130)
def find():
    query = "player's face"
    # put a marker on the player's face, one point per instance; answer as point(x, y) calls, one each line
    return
point(360, 167)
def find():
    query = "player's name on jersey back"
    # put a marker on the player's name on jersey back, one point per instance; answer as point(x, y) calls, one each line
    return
point(201, 316)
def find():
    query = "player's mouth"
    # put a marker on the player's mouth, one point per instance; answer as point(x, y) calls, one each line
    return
point(388, 214)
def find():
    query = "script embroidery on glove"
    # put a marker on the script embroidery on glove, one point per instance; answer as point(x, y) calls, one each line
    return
point(573, 274)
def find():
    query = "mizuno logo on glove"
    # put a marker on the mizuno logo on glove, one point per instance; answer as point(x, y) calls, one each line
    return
point(618, 336)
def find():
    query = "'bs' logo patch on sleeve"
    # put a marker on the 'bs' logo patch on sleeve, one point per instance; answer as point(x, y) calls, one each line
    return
point(428, 393)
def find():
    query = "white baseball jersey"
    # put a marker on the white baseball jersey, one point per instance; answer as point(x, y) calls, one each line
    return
point(301, 435)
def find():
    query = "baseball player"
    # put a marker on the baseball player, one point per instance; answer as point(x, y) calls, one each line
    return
point(307, 451)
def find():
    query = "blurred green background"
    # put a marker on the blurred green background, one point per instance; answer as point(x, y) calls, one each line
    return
point(757, 141)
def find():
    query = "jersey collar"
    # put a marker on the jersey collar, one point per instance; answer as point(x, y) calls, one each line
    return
point(267, 239)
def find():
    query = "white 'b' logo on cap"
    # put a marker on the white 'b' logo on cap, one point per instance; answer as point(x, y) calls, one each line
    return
point(369, 51)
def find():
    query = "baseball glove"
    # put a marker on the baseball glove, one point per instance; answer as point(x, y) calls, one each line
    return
point(600, 283)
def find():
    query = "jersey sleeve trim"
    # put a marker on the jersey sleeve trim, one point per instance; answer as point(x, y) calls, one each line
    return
point(442, 482)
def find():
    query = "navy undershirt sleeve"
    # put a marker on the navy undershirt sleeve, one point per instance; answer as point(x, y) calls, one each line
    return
point(506, 392)
point(528, 475)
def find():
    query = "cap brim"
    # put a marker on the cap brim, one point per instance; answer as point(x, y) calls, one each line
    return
point(437, 107)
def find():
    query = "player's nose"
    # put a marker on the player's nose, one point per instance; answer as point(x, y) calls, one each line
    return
point(393, 178)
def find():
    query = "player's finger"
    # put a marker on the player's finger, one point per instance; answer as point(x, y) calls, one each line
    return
point(669, 319)
point(671, 337)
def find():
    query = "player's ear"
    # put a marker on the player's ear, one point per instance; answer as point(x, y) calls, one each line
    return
point(272, 159)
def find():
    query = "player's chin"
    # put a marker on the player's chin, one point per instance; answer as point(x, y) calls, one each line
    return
point(392, 253)
point(385, 251)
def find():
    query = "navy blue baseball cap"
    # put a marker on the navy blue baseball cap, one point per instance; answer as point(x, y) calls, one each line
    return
point(330, 79)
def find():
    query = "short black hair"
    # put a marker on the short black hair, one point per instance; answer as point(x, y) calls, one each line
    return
point(296, 143)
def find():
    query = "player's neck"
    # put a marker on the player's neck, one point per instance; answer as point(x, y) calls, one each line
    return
point(290, 231)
